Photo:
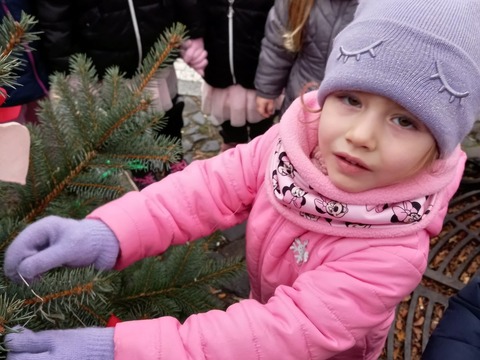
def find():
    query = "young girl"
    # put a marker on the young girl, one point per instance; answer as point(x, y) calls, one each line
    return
point(340, 204)
point(298, 40)
point(233, 33)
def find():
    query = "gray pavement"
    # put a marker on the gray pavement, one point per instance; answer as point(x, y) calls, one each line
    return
point(200, 138)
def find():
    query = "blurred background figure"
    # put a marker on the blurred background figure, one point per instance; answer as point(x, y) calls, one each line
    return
point(232, 38)
point(298, 39)
point(113, 32)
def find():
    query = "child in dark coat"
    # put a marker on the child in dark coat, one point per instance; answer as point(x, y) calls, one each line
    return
point(457, 336)
point(233, 33)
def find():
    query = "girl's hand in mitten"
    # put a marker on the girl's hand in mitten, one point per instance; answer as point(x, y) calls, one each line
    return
point(194, 54)
point(54, 241)
point(75, 344)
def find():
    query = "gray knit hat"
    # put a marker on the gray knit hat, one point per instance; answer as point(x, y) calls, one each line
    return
point(422, 54)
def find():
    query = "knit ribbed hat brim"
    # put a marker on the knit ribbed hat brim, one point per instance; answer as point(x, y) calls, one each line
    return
point(413, 53)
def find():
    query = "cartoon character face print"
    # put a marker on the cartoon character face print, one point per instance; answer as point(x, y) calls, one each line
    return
point(294, 195)
point(336, 209)
point(330, 207)
point(406, 212)
point(285, 167)
point(275, 185)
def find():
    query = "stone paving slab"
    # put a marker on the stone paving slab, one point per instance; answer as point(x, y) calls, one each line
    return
point(189, 82)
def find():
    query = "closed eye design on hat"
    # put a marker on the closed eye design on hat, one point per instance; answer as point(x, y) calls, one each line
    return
point(454, 94)
point(357, 53)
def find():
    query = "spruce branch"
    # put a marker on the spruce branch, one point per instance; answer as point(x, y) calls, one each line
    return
point(91, 134)
point(160, 54)
point(181, 280)
point(78, 125)
point(14, 38)
point(63, 299)
point(79, 154)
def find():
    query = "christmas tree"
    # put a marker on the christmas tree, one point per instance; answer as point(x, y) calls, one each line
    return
point(91, 135)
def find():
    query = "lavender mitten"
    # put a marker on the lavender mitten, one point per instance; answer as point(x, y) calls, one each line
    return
point(54, 241)
point(75, 344)
point(194, 54)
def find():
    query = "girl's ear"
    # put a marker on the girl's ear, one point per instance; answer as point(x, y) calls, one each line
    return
point(14, 152)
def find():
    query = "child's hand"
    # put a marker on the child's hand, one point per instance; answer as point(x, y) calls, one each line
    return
point(54, 241)
point(194, 54)
point(75, 344)
point(265, 107)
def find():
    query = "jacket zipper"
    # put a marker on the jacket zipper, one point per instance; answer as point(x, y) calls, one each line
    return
point(230, 38)
point(273, 229)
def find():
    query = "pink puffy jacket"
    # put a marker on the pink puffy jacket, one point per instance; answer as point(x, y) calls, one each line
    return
point(339, 304)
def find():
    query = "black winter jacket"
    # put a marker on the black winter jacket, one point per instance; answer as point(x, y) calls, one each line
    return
point(457, 336)
point(248, 19)
point(104, 29)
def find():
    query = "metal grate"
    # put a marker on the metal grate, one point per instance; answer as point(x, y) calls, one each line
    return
point(453, 260)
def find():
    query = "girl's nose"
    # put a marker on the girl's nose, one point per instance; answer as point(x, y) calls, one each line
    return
point(363, 133)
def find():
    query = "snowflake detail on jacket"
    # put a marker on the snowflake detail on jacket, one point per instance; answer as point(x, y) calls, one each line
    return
point(300, 252)
point(290, 190)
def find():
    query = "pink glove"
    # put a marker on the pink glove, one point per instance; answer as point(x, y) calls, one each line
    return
point(194, 54)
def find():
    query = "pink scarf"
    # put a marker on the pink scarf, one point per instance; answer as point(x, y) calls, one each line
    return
point(296, 195)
